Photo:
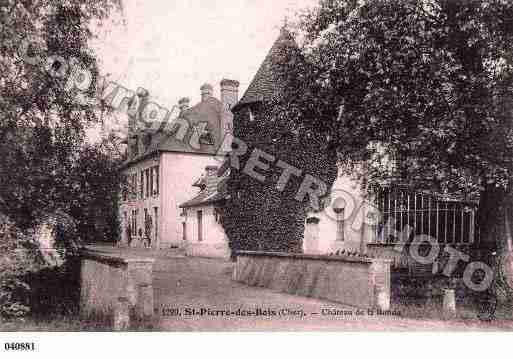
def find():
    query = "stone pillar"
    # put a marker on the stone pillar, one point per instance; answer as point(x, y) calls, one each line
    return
point(131, 292)
point(144, 307)
point(449, 304)
point(429, 293)
point(121, 314)
point(380, 275)
point(107, 277)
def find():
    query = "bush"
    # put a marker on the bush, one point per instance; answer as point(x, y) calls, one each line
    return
point(18, 257)
point(55, 291)
point(58, 237)
point(29, 281)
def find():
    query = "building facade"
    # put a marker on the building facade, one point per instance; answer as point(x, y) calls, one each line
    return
point(165, 158)
point(202, 230)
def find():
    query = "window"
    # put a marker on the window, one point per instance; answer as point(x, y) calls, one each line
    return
point(134, 187)
point(157, 175)
point(151, 182)
point(184, 231)
point(134, 223)
point(200, 226)
point(136, 228)
point(156, 216)
point(124, 191)
point(147, 174)
point(148, 226)
point(340, 224)
point(141, 185)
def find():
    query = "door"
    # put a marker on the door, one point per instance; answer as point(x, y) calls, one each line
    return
point(200, 226)
point(156, 216)
point(311, 245)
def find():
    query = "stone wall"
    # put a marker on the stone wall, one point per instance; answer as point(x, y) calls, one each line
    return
point(208, 250)
point(105, 278)
point(401, 257)
point(359, 282)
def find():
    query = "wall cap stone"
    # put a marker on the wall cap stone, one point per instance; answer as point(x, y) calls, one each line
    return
point(364, 260)
point(111, 258)
point(455, 245)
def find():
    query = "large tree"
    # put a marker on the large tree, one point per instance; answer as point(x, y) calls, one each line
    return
point(42, 126)
point(430, 80)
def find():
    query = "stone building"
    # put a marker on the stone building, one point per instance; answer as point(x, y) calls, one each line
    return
point(163, 162)
point(203, 233)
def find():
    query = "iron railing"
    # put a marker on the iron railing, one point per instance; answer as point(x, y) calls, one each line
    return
point(448, 221)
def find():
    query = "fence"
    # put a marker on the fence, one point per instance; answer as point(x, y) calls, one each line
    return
point(448, 221)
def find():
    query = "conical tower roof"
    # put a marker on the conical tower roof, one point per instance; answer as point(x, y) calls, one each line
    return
point(264, 84)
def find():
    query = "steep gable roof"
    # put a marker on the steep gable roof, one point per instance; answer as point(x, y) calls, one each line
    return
point(264, 84)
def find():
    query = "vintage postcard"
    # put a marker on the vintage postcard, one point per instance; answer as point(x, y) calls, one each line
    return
point(255, 166)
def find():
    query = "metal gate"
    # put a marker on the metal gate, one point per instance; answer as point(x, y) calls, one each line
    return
point(448, 221)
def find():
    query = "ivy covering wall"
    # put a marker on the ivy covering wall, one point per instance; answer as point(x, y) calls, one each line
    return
point(256, 215)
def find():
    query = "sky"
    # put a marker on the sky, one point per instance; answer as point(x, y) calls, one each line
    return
point(173, 47)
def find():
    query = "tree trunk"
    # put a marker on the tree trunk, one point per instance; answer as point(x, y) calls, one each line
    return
point(495, 219)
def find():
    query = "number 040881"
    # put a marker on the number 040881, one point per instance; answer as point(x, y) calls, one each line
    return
point(20, 346)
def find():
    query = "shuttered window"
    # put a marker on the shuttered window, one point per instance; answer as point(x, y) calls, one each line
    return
point(200, 225)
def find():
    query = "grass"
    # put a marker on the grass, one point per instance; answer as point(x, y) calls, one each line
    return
point(466, 310)
point(56, 324)
point(71, 323)
point(54, 298)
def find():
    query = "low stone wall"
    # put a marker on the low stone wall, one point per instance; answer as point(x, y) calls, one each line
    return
point(356, 281)
point(401, 255)
point(388, 251)
point(208, 250)
point(106, 278)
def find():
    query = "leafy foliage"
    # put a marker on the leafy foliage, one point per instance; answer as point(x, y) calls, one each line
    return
point(42, 127)
point(258, 216)
point(425, 83)
point(16, 259)
point(428, 80)
point(94, 195)
point(45, 167)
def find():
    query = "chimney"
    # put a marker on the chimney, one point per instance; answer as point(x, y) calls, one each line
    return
point(229, 98)
point(206, 91)
point(229, 93)
point(211, 178)
point(134, 125)
point(143, 96)
point(183, 104)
